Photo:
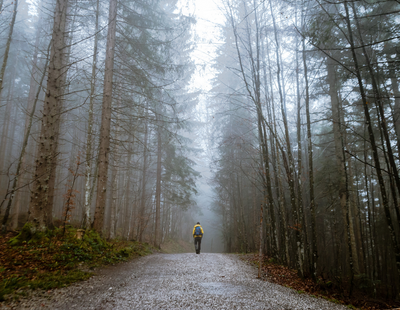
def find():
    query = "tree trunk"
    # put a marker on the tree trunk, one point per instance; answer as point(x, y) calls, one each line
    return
point(41, 205)
point(104, 148)
point(290, 166)
point(115, 180)
point(142, 208)
point(157, 239)
point(301, 226)
point(341, 162)
point(89, 140)
point(311, 172)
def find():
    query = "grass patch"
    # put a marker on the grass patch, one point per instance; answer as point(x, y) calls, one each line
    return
point(53, 259)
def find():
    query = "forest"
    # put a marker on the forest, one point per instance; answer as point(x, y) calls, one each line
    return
point(100, 123)
point(94, 107)
point(306, 100)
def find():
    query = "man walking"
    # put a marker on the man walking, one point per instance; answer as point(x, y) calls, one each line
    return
point(197, 235)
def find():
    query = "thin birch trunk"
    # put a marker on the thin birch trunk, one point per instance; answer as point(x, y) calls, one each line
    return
point(89, 140)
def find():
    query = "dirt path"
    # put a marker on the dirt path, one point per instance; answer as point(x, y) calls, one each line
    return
point(176, 281)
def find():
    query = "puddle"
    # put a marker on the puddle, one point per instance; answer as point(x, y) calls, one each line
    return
point(221, 288)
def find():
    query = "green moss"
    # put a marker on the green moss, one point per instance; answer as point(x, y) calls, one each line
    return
point(26, 235)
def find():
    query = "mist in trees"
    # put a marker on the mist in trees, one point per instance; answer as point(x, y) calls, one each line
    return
point(299, 133)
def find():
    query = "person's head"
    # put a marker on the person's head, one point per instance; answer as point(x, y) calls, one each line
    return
point(198, 223)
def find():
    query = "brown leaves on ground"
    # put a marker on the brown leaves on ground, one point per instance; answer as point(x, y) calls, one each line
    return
point(285, 276)
point(25, 260)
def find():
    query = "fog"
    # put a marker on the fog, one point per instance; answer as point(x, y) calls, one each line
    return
point(275, 124)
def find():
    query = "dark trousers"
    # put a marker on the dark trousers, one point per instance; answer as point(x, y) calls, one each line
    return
point(197, 243)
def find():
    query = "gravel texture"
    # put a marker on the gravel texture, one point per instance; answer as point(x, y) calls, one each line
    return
point(175, 281)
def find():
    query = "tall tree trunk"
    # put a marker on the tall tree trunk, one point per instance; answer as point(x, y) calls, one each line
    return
point(104, 149)
point(157, 237)
point(266, 158)
point(41, 205)
point(341, 162)
point(115, 180)
point(301, 226)
point(290, 166)
point(89, 140)
point(310, 171)
point(142, 208)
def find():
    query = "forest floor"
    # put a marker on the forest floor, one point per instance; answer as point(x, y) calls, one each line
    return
point(282, 275)
point(56, 259)
point(175, 281)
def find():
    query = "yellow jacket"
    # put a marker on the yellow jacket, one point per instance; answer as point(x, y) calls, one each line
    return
point(194, 228)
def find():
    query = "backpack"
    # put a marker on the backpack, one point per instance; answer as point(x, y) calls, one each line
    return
point(197, 231)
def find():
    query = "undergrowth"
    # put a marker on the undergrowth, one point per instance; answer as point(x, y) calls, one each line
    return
point(53, 259)
point(282, 275)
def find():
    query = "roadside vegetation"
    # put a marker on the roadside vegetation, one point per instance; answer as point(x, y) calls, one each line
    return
point(57, 258)
point(362, 298)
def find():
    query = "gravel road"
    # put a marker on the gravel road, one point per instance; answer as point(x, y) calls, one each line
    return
point(176, 281)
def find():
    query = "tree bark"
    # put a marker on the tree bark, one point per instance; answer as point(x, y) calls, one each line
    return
point(290, 166)
point(41, 205)
point(104, 149)
point(89, 140)
point(157, 237)
point(341, 161)
point(142, 208)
